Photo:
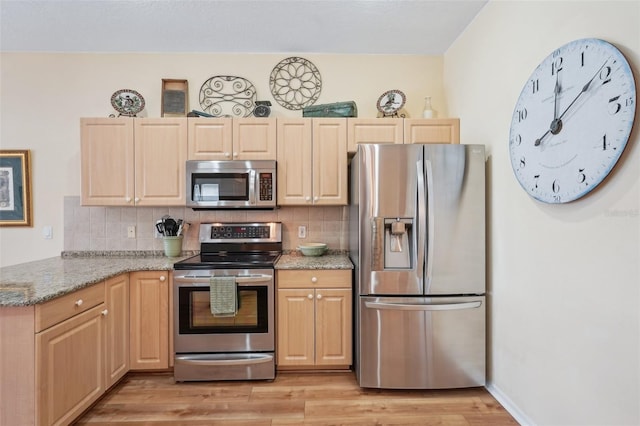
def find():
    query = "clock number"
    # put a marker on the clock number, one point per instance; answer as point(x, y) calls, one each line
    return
point(614, 106)
point(536, 177)
point(535, 86)
point(605, 144)
point(628, 102)
point(555, 187)
point(522, 162)
point(518, 139)
point(605, 74)
point(581, 176)
point(556, 65)
point(582, 58)
point(522, 115)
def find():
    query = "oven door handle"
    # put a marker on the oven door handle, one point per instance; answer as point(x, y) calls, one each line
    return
point(207, 279)
point(206, 361)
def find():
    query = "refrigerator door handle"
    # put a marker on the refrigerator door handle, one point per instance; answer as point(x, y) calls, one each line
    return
point(424, 306)
point(430, 227)
point(420, 211)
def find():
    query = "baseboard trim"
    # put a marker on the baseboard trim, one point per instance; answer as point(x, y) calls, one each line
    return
point(508, 405)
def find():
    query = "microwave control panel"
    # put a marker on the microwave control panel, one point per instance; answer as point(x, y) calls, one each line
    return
point(266, 186)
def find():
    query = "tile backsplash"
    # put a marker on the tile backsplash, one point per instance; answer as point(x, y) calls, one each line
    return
point(105, 228)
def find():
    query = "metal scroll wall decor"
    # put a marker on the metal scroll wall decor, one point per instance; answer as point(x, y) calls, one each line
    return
point(295, 83)
point(228, 96)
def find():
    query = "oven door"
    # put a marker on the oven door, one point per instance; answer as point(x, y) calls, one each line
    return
point(197, 330)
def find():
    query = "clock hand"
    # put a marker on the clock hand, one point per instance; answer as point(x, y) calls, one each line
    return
point(584, 89)
point(556, 124)
point(556, 92)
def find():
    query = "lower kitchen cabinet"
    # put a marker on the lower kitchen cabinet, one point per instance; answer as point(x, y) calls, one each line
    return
point(117, 336)
point(149, 322)
point(314, 319)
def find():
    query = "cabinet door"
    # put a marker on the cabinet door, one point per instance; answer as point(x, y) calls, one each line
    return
point(374, 130)
point(107, 153)
point(294, 161)
point(254, 139)
point(210, 139)
point(428, 130)
point(149, 321)
point(329, 161)
point(296, 329)
point(160, 156)
point(117, 333)
point(333, 327)
point(70, 367)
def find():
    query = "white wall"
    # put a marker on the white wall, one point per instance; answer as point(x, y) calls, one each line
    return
point(42, 97)
point(564, 280)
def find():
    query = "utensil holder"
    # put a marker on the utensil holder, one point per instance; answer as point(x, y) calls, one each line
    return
point(172, 246)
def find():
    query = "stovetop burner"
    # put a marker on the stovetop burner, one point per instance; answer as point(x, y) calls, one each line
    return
point(247, 245)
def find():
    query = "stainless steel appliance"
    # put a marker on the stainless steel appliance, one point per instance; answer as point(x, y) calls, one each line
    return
point(417, 240)
point(231, 184)
point(239, 259)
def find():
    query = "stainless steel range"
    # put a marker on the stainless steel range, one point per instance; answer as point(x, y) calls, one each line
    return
point(224, 300)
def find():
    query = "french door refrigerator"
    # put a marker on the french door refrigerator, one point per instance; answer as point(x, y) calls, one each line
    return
point(417, 241)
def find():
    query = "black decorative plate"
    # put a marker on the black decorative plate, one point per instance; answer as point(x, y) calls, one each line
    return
point(228, 96)
point(127, 102)
point(295, 83)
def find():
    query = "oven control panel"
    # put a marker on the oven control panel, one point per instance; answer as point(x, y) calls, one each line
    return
point(226, 232)
point(238, 232)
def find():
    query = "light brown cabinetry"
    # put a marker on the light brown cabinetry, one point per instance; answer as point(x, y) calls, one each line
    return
point(312, 161)
point(374, 130)
point(133, 161)
point(402, 130)
point(314, 319)
point(149, 321)
point(431, 130)
point(232, 139)
point(117, 334)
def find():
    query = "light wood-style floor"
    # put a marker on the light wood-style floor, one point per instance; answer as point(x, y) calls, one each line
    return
point(291, 399)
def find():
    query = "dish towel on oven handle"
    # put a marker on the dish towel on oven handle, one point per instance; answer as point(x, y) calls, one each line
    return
point(223, 295)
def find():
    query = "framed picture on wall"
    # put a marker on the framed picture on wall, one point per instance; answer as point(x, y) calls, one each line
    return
point(15, 188)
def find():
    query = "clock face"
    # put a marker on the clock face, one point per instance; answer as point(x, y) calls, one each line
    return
point(572, 120)
point(391, 101)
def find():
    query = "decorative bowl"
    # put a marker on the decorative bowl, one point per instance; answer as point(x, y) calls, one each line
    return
point(313, 249)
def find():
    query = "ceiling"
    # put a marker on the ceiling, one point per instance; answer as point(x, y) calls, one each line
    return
point(421, 27)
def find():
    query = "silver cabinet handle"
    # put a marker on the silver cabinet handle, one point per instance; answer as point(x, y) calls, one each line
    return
point(424, 307)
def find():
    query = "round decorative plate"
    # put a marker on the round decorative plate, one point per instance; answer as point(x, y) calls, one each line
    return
point(391, 101)
point(295, 83)
point(228, 96)
point(127, 102)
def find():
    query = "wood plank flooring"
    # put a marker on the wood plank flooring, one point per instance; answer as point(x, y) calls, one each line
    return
point(291, 399)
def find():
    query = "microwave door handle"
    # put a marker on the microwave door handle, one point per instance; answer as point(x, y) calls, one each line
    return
point(252, 187)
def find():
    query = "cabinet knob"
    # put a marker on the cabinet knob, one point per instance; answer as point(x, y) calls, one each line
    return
point(105, 312)
point(162, 278)
point(315, 198)
point(235, 154)
point(319, 296)
point(307, 198)
point(310, 296)
point(227, 154)
point(137, 200)
point(314, 280)
point(79, 302)
point(127, 199)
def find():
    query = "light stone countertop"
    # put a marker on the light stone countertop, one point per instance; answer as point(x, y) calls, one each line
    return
point(36, 282)
point(331, 260)
point(39, 281)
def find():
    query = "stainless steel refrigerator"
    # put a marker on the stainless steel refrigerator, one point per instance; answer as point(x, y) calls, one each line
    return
point(417, 240)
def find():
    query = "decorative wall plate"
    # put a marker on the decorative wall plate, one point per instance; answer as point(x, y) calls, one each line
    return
point(127, 102)
point(295, 83)
point(228, 96)
point(390, 102)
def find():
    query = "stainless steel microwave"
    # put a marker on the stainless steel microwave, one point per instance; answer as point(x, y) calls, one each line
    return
point(233, 184)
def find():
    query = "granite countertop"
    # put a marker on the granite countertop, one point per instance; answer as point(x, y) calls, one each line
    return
point(36, 282)
point(331, 260)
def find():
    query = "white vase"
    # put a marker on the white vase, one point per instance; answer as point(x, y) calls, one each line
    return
point(428, 112)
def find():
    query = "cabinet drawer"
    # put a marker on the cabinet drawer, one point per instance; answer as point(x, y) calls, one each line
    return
point(62, 308)
point(325, 278)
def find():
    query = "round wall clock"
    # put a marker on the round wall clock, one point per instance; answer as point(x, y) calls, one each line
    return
point(390, 102)
point(127, 102)
point(572, 120)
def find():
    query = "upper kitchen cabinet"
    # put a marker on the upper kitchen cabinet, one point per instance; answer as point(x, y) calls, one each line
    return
point(374, 130)
point(232, 139)
point(133, 161)
point(312, 161)
point(432, 130)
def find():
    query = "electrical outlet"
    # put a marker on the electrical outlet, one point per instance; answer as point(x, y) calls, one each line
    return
point(302, 231)
point(131, 232)
point(47, 232)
